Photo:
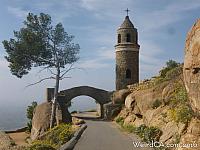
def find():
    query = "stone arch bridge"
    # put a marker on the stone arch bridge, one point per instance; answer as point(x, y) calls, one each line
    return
point(101, 96)
point(65, 96)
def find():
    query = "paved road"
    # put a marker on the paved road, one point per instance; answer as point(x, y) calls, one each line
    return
point(101, 135)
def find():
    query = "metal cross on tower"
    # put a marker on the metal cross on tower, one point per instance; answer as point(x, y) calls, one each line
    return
point(127, 10)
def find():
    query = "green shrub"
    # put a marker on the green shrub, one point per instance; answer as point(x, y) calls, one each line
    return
point(156, 104)
point(54, 138)
point(59, 134)
point(180, 109)
point(41, 145)
point(29, 125)
point(120, 120)
point(182, 113)
point(179, 96)
point(174, 72)
point(65, 135)
point(140, 130)
point(148, 134)
point(169, 66)
point(129, 128)
point(29, 115)
point(151, 134)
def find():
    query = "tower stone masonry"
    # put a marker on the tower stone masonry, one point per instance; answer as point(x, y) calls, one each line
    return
point(127, 55)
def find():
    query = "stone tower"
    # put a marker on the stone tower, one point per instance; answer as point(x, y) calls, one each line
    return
point(127, 55)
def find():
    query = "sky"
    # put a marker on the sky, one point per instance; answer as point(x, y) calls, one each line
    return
point(162, 27)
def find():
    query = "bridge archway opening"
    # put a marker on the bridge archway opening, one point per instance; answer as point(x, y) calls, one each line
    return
point(85, 104)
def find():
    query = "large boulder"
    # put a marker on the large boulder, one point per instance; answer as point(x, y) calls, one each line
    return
point(41, 120)
point(124, 113)
point(129, 119)
point(111, 110)
point(191, 68)
point(119, 96)
point(156, 117)
point(192, 136)
point(142, 100)
point(130, 101)
point(170, 132)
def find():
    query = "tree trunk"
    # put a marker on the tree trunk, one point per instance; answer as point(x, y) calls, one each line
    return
point(54, 104)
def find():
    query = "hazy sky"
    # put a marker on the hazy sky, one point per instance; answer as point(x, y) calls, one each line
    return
point(162, 26)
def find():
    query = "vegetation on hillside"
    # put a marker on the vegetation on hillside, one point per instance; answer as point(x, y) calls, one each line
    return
point(180, 109)
point(54, 138)
point(171, 71)
point(171, 64)
point(29, 115)
point(147, 134)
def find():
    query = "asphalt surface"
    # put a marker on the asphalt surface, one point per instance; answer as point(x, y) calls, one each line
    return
point(102, 135)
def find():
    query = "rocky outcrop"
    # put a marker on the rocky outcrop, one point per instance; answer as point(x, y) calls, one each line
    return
point(192, 137)
point(5, 141)
point(192, 65)
point(139, 109)
point(140, 101)
point(111, 110)
point(118, 97)
point(42, 115)
point(41, 120)
point(191, 72)
point(130, 101)
point(130, 119)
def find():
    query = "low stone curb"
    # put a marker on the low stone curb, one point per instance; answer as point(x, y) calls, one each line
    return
point(71, 143)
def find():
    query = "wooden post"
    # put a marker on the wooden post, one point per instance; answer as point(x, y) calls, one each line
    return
point(49, 94)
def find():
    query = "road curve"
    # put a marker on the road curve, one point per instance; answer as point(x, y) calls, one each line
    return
point(102, 135)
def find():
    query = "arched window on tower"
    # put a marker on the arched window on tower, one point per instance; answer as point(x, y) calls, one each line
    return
point(119, 38)
point(128, 37)
point(128, 74)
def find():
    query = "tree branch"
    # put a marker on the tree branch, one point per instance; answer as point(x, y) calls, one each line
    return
point(40, 81)
point(66, 71)
point(42, 69)
point(51, 71)
point(69, 69)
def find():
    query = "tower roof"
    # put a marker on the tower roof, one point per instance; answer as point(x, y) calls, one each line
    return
point(127, 23)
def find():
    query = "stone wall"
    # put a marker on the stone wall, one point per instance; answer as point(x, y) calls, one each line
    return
point(126, 60)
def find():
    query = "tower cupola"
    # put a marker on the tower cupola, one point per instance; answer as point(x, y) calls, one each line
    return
point(127, 33)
